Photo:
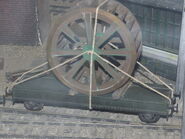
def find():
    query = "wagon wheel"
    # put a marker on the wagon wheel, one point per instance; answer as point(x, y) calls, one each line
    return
point(33, 106)
point(72, 35)
point(123, 13)
point(149, 117)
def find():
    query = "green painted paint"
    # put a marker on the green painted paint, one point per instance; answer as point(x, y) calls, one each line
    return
point(99, 34)
point(87, 56)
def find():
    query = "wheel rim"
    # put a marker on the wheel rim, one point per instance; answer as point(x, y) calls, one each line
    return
point(74, 36)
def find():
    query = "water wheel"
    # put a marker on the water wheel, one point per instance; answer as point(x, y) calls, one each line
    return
point(120, 11)
point(72, 35)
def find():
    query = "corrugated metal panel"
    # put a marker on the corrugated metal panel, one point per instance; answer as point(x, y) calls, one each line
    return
point(176, 5)
point(160, 27)
point(18, 24)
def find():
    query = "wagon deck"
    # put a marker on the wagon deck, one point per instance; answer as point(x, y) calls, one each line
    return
point(49, 91)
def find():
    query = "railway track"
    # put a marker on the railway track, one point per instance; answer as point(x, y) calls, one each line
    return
point(16, 122)
point(23, 117)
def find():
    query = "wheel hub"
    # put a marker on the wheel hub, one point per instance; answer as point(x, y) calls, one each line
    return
point(88, 49)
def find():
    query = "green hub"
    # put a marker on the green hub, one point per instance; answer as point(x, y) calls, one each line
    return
point(88, 56)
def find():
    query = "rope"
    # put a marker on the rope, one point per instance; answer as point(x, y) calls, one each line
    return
point(37, 75)
point(18, 79)
point(145, 85)
point(92, 52)
point(156, 77)
point(114, 46)
point(170, 88)
point(95, 25)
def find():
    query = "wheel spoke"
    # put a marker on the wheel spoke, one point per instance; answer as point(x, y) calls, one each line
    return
point(109, 69)
point(88, 27)
point(81, 72)
point(78, 29)
point(70, 34)
point(116, 52)
point(76, 67)
point(94, 82)
point(66, 53)
point(110, 32)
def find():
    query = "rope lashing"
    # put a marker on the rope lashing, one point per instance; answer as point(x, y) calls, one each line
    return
point(165, 84)
point(42, 73)
point(92, 52)
point(133, 78)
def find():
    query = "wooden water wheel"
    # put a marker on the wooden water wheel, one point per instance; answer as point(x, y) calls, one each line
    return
point(72, 34)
